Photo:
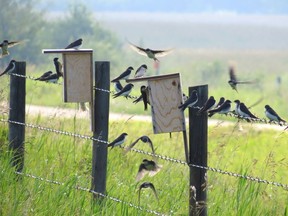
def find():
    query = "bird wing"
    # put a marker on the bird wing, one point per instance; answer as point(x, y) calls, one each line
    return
point(131, 145)
point(161, 53)
point(138, 49)
point(138, 99)
point(232, 74)
point(14, 43)
point(141, 172)
point(208, 104)
point(154, 190)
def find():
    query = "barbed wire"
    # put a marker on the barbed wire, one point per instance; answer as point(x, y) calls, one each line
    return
point(93, 192)
point(166, 158)
point(33, 78)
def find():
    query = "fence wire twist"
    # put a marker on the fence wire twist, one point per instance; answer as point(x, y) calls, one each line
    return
point(93, 192)
point(166, 158)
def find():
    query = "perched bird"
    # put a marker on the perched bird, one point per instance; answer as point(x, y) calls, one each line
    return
point(10, 68)
point(58, 67)
point(220, 102)
point(143, 97)
point(233, 80)
point(147, 185)
point(272, 115)
point(237, 107)
point(147, 166)
point(144, 139)
point(125, 75)
point(117, 86)
point(45, 75)
point(153, 54)
point(222, 109)
point(75, 45)
point(118, 141)
point(140, 71)
point(190, 102)
point(245, 112)
point(125, 91)
point(53, 78)
point(209, 104)
point(6, 44)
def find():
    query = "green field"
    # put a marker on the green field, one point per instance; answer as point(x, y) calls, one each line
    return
point(259, 153)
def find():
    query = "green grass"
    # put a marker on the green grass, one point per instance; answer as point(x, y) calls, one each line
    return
point(260, 153)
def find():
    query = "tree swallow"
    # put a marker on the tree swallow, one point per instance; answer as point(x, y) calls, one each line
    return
point(58, 67)
point(153, 54)
point(237, 107)
point(147, 166)
point(6, 44)
point(209, 104)
point(144, 139)
point(233, 80)
point(190, 102)
point(147, 185)
point(221, 101)
point(245, 112)
point(140, 71)
point(118, 141)
point(10, 68)
point(125, 91)
point(75, 45)
point(117, 86)
point(45, 75)
point(272, 115)
point(222, 109)
point(125, 75)
point(53, 78)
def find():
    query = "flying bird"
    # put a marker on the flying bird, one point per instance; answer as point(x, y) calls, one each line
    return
point(222, 109)
point(233, 80)
point(209, 104)
point(272, 115)
point(10, 68)
point(118, 86)
point(190, 102)
point(125, 91)
point(144, 139)
point(6, 44)
point(147, 185)
point(45, 75)
point(125, 75)
point(140, 71)
point(75, 45)
point(58, 67)
point(153, 54)
point(118, 141)
point(149, 166)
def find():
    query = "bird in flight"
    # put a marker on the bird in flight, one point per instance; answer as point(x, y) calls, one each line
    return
point(153, 54)
point(233, 82)
point(144, 139)
point(149, 166)
point(6, 44)
point(147, 185)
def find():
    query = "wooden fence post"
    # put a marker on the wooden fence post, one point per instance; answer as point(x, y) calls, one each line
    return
point(17, 113)
point(198, 154)
point(100, 130)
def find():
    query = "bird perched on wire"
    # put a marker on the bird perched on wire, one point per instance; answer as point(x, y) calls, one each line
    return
point(6, 44)
point(233, 82)
point(118, 141)
point(58, 67)
point(220, 102)
point(153, 54)
point(118, 86)
point(272, 115)
point(144, 139)
point(45, 75)
point(222, 109)
point(10, 68)
point(149, 166)
point(124, 76)
point(125, 91)
point(243, 111)
point(140, 71)
point(209, 104)
point(75, 45)
point(190, 102)
point(52, 78)
point(147, 185)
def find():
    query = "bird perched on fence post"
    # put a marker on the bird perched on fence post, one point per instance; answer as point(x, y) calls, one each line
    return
point(153, 54)
point(6, 44)
point(10, 68)
point(75, 45)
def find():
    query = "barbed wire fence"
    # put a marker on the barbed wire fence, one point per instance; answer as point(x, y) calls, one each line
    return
point(162, 157)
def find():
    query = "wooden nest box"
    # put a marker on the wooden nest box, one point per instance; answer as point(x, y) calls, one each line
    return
point(165, 95)
point(78, 74)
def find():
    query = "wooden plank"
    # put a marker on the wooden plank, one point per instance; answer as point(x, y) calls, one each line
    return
point(101, 123)
point(67, 51)
point(158, 77)
point(198, 153)
point(77, 77)
point(17, 113)
point(165, 97)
